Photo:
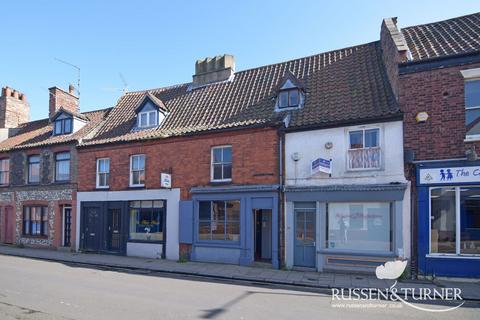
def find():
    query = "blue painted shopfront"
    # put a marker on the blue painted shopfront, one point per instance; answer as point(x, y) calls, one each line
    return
point(448, 194)
point(241, 246)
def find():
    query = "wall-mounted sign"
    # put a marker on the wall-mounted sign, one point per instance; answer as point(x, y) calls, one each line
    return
point(165, 180)
point(450, 175)
point(321, 165)
point(422, 116)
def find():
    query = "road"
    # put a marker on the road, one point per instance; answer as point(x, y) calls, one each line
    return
point(34, 289)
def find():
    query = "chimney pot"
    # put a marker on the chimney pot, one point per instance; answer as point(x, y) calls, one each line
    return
point(71, 89)
point(15, 94)
point(7, 92)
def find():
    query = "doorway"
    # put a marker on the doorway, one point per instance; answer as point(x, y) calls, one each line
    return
point(304, 237)
point(114, 230)
point(67, 226)
point(9, 225)
point(263, 235)
point(91, 234)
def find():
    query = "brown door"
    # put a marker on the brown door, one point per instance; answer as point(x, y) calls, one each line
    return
point(9, 225)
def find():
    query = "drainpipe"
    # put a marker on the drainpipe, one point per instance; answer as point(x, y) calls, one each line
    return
point(281, 180)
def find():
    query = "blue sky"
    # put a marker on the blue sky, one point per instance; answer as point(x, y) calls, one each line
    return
point(156, 43)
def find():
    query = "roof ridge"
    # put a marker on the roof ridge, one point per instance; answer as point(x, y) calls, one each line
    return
point(439, 21)
point(259, 67)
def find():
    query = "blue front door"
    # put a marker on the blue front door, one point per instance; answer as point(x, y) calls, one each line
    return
point(304, 238)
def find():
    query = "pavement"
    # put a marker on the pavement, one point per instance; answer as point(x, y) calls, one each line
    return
point(300, 279)
point(33, 289)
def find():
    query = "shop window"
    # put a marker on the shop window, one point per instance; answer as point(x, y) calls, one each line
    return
point(455, 231)
point(360, 226)
point(103, 172)
point(221, 163)
point(219, 220)
point(147, 220)
point(4, 171)
point(137, 170)
point(34, 169)
point(62, 166)
point(35, 221)
point(364, 149)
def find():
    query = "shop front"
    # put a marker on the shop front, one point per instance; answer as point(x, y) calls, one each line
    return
point(233, 224)
point(141, 223)
point(345, 228)
point(449, 218)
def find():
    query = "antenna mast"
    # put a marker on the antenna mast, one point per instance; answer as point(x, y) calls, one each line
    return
point(78, 75)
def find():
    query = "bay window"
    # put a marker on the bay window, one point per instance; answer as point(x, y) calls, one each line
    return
point(219, 220)
point(365, 226)
point(455, 220)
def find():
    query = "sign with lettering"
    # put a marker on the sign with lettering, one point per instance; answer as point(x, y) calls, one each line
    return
point(165, 180)
point(321, 165)
point(450, 175)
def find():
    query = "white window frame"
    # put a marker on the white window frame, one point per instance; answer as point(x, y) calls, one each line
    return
point(149, 114)
point(458, 230)
point(131, 169)
point(7, 173)
point(380, 146)
point(471, 137)
point(97, 175)
point(212, 179)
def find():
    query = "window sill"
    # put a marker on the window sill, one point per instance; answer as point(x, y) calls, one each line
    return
point(472, 138)
point(364, 169)
point(220, 182)
point(62, 182)
point(218, 244)
point(27, 236)
point(102, 188)
point(136, 186)
point(146, 241)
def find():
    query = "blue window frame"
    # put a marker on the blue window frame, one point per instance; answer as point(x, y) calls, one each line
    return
point(219, 220)
point(62, 126)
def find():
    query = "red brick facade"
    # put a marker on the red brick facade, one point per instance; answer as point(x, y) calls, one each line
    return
point(255, 160)
point(440, 93)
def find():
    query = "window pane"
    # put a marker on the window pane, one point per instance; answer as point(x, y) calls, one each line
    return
point(472, 93)
point(359, 226)
point(470, 220)
point(62, 172)
point(34, 172)
point(233, 210)
point(204, 231)
point(356, 139)
point(218, 212)
point(227, 171)
point(143, 119)
point(283, 99)
point(34, 159)
point(63, 156)
point(443, 221)
point(227, 154)
point(371, 138)
point(293, 98)
point(233, 231)
point(204, 212)
point(67, 126)
point(217, 155)
point(136, 177)
point(217, 172)
point(218, 230)
point(146, 223)
point(152, 118)
point(58, 127)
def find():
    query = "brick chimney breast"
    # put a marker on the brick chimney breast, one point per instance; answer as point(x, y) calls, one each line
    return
point(211, 70)
point(14, 108)
point(62, 99)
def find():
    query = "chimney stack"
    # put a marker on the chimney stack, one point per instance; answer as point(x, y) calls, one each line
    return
point(211, 70)
point(14, 108)
point(62, 99)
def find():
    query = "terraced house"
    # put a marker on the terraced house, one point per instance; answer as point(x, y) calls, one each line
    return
point(437, 77)
point(39, 168)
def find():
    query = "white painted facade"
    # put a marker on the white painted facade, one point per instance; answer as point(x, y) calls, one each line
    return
point(302, 147)
point(148, 250)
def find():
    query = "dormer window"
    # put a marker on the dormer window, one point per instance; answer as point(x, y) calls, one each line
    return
point(288, 98)
point(150, 113)
point(148, 119)
point(63, 126)
point(289, 94)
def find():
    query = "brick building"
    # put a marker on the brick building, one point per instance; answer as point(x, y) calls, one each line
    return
point(39, 169)
point(435, 69)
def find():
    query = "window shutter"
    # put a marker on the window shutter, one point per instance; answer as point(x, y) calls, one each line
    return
point(186, 222)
